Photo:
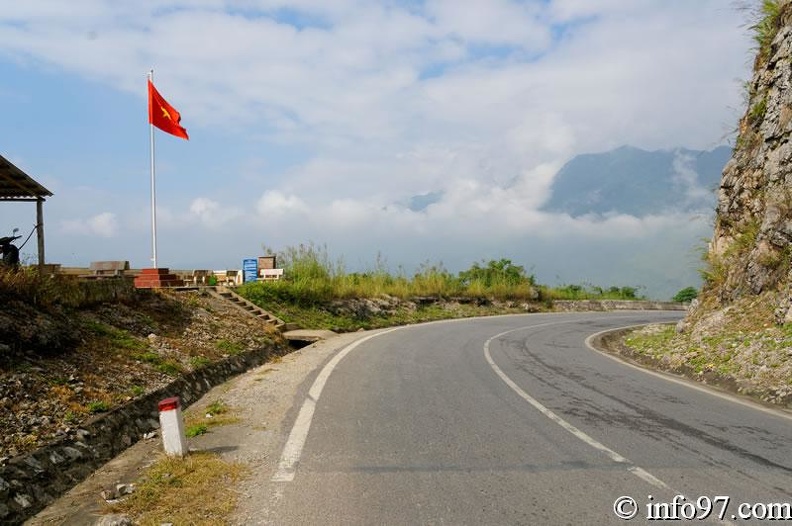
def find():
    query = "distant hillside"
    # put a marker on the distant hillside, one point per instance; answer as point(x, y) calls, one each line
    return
point(636, 182)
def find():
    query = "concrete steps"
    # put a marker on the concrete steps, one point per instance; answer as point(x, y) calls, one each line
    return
point(291, 332)
point(248, 307)
point(157, 278)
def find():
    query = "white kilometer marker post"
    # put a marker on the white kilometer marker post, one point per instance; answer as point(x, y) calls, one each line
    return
point(174, 440)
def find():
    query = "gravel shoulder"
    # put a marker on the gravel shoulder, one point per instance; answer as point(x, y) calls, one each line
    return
point(264, 399)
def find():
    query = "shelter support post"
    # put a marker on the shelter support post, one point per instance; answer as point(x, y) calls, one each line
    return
point(40, 232)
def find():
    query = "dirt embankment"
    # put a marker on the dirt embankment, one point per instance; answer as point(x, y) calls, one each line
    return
point(71, 365)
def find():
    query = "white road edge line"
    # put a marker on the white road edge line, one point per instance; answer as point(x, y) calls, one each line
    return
point(292, 451)
point(630, 466)
point(683, 381)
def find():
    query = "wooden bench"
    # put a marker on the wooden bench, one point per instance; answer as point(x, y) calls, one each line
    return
point(228, 277)
point(270, 274)
point(198, 277)
point(233, 277)
point(107, 269)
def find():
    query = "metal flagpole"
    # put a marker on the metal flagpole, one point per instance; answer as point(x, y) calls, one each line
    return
point(153, 187)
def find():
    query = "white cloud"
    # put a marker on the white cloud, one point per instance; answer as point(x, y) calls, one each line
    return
point(102, 225)
point(479, 102)
point(211, 214)
point(274, 205)
point(491, 22)
point(686, 177)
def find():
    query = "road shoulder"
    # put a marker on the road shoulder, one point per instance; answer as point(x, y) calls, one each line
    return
point(265, 399)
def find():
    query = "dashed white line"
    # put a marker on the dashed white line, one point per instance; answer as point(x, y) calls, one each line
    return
point(616, 457)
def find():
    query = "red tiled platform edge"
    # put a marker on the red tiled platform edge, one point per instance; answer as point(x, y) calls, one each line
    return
point(154, 278)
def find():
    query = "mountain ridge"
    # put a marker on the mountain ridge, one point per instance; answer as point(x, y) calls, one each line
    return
point(632, 181)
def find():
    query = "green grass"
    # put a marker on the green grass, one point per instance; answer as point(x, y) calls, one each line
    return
point(758, 111)
point(768, 22)
point(118, 338)
point(148, 357)
point(748, 337)
point(170, 368)
point(63, 290)
point(313, 282)
point(200, 421)
point(229, 347)
point(196, 362)
point(97, 406)
point(165, 366)
point(198, 489)
point(659, 342)
point(196, 430)
point(654, 343)
point(218, 407)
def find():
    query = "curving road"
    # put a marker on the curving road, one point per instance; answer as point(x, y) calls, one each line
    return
point(514, 420)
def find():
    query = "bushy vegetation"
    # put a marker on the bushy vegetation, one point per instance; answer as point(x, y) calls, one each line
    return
point(28, 285)
point(313, 281)
point(686, 295)
point(312, 278)
point(588, 292)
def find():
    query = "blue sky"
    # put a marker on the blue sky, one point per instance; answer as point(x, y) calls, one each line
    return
point(316, 121)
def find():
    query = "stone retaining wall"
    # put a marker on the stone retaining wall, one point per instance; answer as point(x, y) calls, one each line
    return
point(611, 305)
point(106, 289)
point(30, 482)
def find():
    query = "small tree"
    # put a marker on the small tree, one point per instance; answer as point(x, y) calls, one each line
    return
point(501, 272)
point(686, 295)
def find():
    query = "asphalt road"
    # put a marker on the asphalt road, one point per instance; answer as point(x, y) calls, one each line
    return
point(514, 420)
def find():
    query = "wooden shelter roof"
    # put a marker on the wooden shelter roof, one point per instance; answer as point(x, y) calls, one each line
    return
point(16, 185)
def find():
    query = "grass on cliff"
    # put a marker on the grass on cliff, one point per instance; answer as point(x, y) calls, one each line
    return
point(741, 343)
point(767, 17)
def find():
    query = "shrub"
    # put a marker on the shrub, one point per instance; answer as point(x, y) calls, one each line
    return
point(496, 273)
point(686, 295)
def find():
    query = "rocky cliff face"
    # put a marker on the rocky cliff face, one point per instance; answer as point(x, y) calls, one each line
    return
point(750, 253)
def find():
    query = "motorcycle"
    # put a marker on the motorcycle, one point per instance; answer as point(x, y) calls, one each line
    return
point(9, 250)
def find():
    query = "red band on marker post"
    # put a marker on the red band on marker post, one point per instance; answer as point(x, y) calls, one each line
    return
point(169, 404)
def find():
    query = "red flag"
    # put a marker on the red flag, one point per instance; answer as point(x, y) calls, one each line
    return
point(163, 115)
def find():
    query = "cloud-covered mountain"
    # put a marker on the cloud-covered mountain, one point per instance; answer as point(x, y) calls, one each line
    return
point(639, 183)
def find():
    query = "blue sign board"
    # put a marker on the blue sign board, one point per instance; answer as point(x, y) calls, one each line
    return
point(250, 269)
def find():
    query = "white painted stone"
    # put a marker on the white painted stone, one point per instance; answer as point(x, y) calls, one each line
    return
point(174, 441)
